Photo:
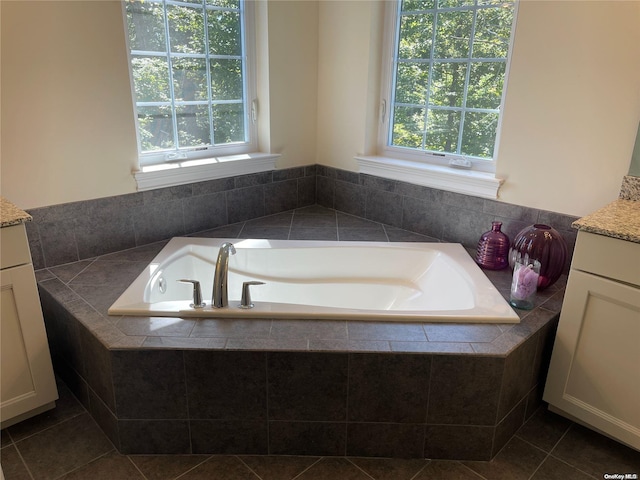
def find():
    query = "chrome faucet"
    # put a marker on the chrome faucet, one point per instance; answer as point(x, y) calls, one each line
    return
point(219, 297)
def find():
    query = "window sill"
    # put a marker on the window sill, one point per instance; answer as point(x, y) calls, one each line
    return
point(468, 182)
point(201, 170)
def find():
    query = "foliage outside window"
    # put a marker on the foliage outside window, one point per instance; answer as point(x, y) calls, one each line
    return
point(449, 66)
point(189, 72)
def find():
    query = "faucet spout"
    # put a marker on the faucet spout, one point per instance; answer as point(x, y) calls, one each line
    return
point(219, 297)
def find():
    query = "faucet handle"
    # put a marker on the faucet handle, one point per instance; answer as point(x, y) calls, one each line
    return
point(197, 293)
point(245, 301)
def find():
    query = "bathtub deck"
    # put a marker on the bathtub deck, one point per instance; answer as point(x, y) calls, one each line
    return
point(376, 389)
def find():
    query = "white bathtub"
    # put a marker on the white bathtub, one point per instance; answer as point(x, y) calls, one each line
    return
point(421, 282)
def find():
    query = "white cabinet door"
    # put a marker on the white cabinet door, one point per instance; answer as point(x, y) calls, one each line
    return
point(26, 375)
point(594, 374)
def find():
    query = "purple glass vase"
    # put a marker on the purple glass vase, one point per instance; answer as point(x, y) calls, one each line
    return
point(493, 248)
point(544, 244)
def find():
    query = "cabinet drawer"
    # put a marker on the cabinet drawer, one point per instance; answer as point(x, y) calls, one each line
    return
point(14, 247)
point(607, 257)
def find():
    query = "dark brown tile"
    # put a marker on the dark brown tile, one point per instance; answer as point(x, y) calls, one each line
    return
point(362, 235)
point(149, 384)
point(517, 461)
point(445, 470)
point(458, 442)
point(109, 467)
point(390, 468)
point(554, 469)
point(156, 326)
point(307, 438)
point(5, 438)
point(272, 233)
point(334, 468)
point(461, 333)
point(268, 344)
point(63, 447)
point(312, 233)
point(307, 386)
point(231, 328)
point(595, 454)
point(544, 429)
point(392, 440)
point(67, 272)
point(241, 437)
point(388, 388)
point(163, 467)
point(518, 371)
point(226, 385)
point(508, 426)
point(464, 390)
point(316, 329)
point(408, 332)
point(67, 406)
point(278, 467)
point(154, 437)
point(13, 468)
point(220, 468)
point(349, 345)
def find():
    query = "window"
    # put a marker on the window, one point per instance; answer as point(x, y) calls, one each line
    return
point(449, 62)
point(192, 78)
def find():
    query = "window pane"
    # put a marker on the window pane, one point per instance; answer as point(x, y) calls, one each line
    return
point(408, 5)
point(416, 36)
point(190, 79)
point(493, 30)
point(186, 29)
point(442, 130)
point(408, 126)
point(226, 79)
point(454, 3)
point(145, 22)
point(193, 125)
point(228, 123)
point(452, 34)
point(485, 85)
point(411, 83)
point(479, 134)
point(447, 84)
point(224, 3)
point(224, 33)
point(156, 128)
point(151, 79)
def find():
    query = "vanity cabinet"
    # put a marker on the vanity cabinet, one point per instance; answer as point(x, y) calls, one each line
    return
point(594, 376)
point(27, 382)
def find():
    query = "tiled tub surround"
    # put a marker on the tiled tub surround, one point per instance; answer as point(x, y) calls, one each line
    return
point(286, 386)
point(165, 385)
point(75, 231)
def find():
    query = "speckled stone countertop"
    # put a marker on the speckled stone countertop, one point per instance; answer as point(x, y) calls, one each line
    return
point(621, 218)
point(11, 215)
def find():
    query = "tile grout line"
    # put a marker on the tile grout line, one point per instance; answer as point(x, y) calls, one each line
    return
point(308, 468)
point(80, 467)
point(359, 468)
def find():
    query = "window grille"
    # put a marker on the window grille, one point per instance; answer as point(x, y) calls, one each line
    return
point(190, 76)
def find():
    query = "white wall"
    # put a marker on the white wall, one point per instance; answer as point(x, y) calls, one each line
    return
point(572, 105)
point(67, 117)
point(570, 117)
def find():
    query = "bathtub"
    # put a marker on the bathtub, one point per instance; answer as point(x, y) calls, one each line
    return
point(419, 282)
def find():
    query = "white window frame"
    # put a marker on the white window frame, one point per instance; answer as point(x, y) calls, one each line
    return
point(167, 168)
point(438, 170)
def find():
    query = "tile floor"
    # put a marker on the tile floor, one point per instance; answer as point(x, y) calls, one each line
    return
point(65, 443)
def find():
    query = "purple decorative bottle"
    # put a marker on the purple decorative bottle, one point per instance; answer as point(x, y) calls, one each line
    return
point(544, 244)
point(493, 248)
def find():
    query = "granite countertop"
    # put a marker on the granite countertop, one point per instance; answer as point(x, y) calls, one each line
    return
point(11, 215)
point(619, 219)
